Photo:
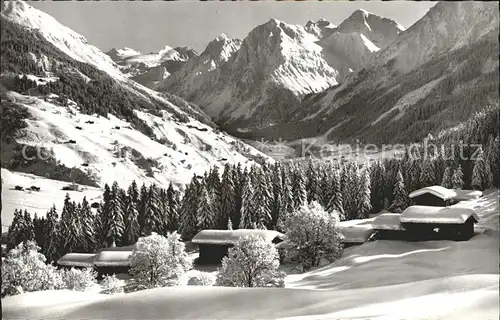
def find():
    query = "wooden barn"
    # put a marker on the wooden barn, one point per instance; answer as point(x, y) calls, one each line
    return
point(77, 260)
point(214, 244)
point(435, 196)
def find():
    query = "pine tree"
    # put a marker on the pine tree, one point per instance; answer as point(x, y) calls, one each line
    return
point(494, 160)
point(227, 199)
point(299, 191)
point(324, 186)
point(173, 210)
point(400, 197)
point(188, 210)
point(88, 227)
point(312, 187)
point(481, 173)
point(247, 205)
point(335, 201)
point(205, 214)
point(69, 227)
point(39, 230)
point(132, 228)
point(155, 216)
point(377, 186)
point(457, 180)
point(261, 198)
point(50, 249)
point(427, 175)
point(363, 196)
point(116, 225)
point(142, 208)
point(447, 178)
point(15, 232)
point(104, 217)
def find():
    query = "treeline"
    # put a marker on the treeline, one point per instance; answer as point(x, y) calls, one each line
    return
point(255, 197)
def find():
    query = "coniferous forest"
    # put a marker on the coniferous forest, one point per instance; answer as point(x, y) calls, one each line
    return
point(256, 197)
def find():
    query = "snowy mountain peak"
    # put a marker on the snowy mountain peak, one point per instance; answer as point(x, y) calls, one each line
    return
point(125, 52)
point(221, 48)
point(380, 30)
point(320, 28)
point(65, 39)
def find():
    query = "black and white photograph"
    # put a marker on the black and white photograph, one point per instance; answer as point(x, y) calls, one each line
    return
point(291, 160)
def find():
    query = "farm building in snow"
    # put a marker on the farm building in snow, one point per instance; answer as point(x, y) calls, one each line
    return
point(107, 261)
point(438, 196)
point(77, 260)
point(214, 244)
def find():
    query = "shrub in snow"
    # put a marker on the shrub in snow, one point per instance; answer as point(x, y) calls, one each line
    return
point(111, 284)
point(312, 233)
point(202, 279)
point(158, 261)
point(252, 262)
point(24, 270)
point(78, 280)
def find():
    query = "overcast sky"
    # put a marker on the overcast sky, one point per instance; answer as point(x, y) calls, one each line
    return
point(149, 26)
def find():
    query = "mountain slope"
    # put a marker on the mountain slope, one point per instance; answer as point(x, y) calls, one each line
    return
point(435, 75)
point(262, 83)
point(85, 118)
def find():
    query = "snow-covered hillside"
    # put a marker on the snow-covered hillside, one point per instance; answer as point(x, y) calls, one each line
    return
point(110, 150)
point(67, 40)
point(377, 280)
point(38, 202)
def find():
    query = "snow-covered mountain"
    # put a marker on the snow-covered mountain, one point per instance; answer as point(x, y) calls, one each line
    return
point(71, 99)
point(434, 75)
point(263, 81)
point(149, 69)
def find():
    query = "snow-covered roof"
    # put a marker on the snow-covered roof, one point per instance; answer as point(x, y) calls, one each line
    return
point(112, 258)
point(388, 221)
point(430, 214)
point(468, 194)
point(84, 260)
point(229, 237)
point(438, 191)
point(356, 233)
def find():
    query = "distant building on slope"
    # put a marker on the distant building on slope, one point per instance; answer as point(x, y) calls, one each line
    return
point(214, 244)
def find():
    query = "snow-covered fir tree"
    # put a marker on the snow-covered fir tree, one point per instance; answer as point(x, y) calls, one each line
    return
point(427, 175)
point(447, 178)
point(457, 180)
point(312, 178)
point(363, 196)
point(481, 173)
point(227, 201)
point(132, 228)
point(299, 191)
point(400, 198)
point(378, 184)
point(335, 202)
point(50, 249)
point(189, 209)
point(247, 205)
point(142, 208)
point(173, 208)
point(88, 225)
point(69, 227)
point(205, 214)
point(116, 224)
point(261, 200)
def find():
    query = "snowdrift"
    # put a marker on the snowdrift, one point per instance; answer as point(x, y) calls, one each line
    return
point(376, 280)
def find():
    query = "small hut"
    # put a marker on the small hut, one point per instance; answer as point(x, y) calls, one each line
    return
point(436, 196)
point(214, 244)
point(77, 260)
